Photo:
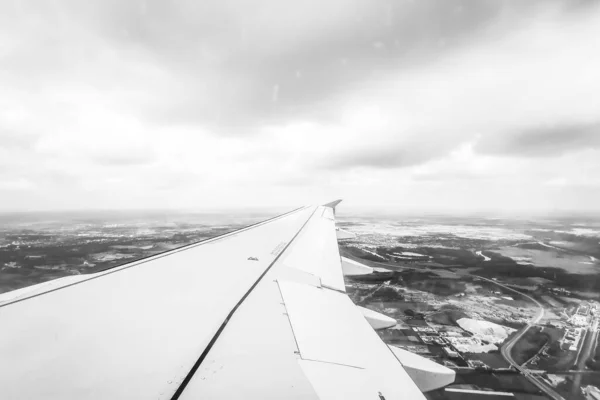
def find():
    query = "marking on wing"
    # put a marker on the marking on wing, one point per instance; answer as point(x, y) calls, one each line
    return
point(331, 362)
point(332, 381)
point(287, 315)
point(279, 248)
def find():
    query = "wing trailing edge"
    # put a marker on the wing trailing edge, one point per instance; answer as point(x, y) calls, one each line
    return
point(427, 375)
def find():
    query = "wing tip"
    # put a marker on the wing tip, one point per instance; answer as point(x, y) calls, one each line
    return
point(333, 204)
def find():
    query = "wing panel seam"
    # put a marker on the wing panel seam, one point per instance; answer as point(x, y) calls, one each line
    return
point(287, 314)
point(197, 364)
point(334, 363)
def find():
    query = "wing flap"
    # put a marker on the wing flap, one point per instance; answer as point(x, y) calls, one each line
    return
point(427, 375)
point(321, 320)
point(326, 324)
point(329, 329)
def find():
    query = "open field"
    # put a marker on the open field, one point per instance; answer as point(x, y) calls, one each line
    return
point(493, 359)
point(529, 345)
point(556, 357)
point(566, 387)
point(510, 381)
point(551, 301)
point(572, 263)
point(447, 317)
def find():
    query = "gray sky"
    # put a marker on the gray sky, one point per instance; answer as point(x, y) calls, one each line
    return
point(406, 105)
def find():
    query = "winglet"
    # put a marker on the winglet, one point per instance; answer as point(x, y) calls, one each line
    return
point(333, 204)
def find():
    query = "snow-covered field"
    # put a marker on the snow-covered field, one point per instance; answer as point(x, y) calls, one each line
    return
point(407, 255)
point(373, 253)
point(522, 260)
point(485, 330)
point(410, 254)
point(464, 231)
point(583, 232)
point(572, 263)
point(471, 345)
point(575, 231)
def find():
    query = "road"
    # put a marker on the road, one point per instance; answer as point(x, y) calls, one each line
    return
point(588, 346)
point(507, 347)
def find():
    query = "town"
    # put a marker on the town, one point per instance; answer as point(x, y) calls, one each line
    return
point(492, 318)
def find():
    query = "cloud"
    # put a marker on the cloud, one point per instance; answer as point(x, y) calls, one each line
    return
point(15, 184)
point(124, 158)
point(385, 155)
point(544, 141)
point(491, 92)
point(188, 104)
point(218, 63)
point(13, 140)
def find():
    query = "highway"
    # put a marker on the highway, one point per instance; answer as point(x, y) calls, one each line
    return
point(507, 347)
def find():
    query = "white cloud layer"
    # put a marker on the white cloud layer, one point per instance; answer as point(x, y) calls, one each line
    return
point(404, 106)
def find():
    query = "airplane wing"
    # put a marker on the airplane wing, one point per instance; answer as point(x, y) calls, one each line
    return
point(260, 313)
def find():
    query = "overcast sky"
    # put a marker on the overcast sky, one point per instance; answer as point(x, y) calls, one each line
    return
point(444, 105)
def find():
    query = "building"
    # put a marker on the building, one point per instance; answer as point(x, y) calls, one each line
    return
point(477, 364)
point(426, 329)
point(579, 320)
point(560, 291)
point(475, 394)
point(591, 392)
point(572, 338)
point(450, 353)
